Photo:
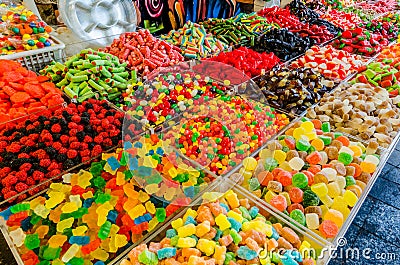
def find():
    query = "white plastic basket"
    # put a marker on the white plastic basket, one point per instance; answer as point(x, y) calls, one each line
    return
point(36, 60)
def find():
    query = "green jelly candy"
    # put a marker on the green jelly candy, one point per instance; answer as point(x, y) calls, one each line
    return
point(51, 253)
point(300, 180)
point(161, 214)
point(337, 134)
point(270, 164)
point(103, 198)
point(245, 213)
point(148, 258)
point(79, 213)
point(20, 207)
point(345, 158)
point(98, 182)
point(302, 145)
point(254, 184)
point(326, 139)
point(326, 127)
point(104, 230)
point(310, 198)
point(174, 241)
point(350, 181)
point(298, 216)
point(229, 256)
point(235, 236)
point(44, 262)
point(76, 261)
point(32, 241)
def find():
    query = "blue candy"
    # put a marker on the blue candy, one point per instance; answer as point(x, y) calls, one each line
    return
point(286, 259)
point(245, 253)
point(112, 216)
point(190, 220)
point(88, 202)
point(127, 145)
point(235, 224)
point(275, 234)
point(293, 254)
point(165, 253)
point(79, 240)
point(138, 145)
point(99, 263)
point(6, 214)
point(160, 151)
point(224, 206)
point(218, 234)
point(189, 192)
point(113, 162)
point(26, 224)
point(133, 163)
point(171, 233)
point(253, 211)
point(144, 171)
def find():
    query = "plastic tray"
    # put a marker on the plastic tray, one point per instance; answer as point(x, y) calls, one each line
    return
point(223, 185)
point(36, 60)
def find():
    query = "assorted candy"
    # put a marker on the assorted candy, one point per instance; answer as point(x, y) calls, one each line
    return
point(143, 52)
point(230, 32)
point(360, 110)
point(313, 175)
point(331, 63)
point(224, 229)
point(381, 6)
point(360, 41)
point(388, 30)
point(21, 30)
point(194, 41)
point(293, 90)
point(220, 133)
point(255, 23)
point(342, 19)
point(45, 145)
point(89, 74)
point(90, 217)
point(22, 92)
point(383, 73)
point(248, 61)
point(365, 15)
point(283, 43)
point(280, 16)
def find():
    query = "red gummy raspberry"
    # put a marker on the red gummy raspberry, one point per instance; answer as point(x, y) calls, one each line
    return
point(85, 153)
point(23, 155)
point(41, 154)
point(63, 150)
point(72, 154)
point(30, 181)
point(97, 150)
point(57, 145)
point(22, 176)
point(76, 118)
point(105, 123)
point(88, 139)
point(45, 162)
point(10, 194)
point(53, 166)
point(56, 128)
point(73, 139)
point(98, 139)
point(72, 125)
point(20, 187)
point(9, 180)
point(76, 145)
point(25, 167)
point(81, 108)
point(64, 139)
point(14, 148)
point(30, 143)
point(5, 170)
point(38, 175)
point(107, 142)
point(83, 146)
point(73, 132)
point(54, 172)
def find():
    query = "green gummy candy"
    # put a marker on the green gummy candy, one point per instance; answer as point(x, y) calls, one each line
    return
point(270, 164)
point(369, 73)
point(337, 134)
point(326, 139)
point(310, 198)
point(229, 256)
point(326, 127)
point(300, 180)
point(76, 261)
point(302, 145)
point(350, 181)
point(51, 253)
point(298, 216)
point(148, 258)
point(235, 236)
point(32, 241)
point(161, 214)
point(345, 158)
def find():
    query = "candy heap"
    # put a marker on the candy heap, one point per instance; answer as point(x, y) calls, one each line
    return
point(381, 6)
point(22, 92)
point(360, 110)
point(230, 32)
point(220, 133)
point(248, 61)
point(283, 43)
point(170, 94)
point(280, 16)
point(89, 217)
point(293, 90)
point(44, 146)
point(143, 52)
point(88, 74)
point(313, 175)
point(255, 23)
point(365, 15)
point(330, 62)
point(391, 17)
point(22, 30)
point(387, 29)
point(360, 41)
point(194, 41)
point(224, 229)
point(342, 19)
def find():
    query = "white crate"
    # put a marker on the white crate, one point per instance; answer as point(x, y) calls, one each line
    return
point(36, 60)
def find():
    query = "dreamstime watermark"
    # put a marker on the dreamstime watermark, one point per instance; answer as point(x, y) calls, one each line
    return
point(343, 251)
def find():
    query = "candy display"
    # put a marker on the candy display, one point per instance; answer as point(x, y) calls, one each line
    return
point(143, 52)
point(283, 43)
point(383, 73)
point(22, 92)
point(280, 16)
point(205, 133)
point(88, 74)
point(90, 216)
point(331, 63)
point(365, 15)
point(312, 174)
point(247, 60)
point(342, 19)
point(360, 110)
point(387, 29)
point(391, 17)
point(194, 41)
point(293, 90)
point(381, 6)
point(45, 145)
point(360, 41)
point(255, 23)
point(21, 30)
point(230, 32)
point(224, 228)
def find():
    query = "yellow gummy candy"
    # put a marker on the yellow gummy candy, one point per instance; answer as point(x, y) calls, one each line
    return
point(152, 224)
point(150, 207)
point(190, 212)
point(320, 189)
point(79, 231)
point(259, 226)
point(236, 216)
point(99, 254)
point(206, 246)
point(249, 163)
point(287, 197)
point(186, 230)
point(350, 198)
point(232, 199)
point(137, 211)
point(203, 228)
point(66, 223)
point(298, 132)
point(279, 156)
point(326, 200)
point(335, 216)
point(143, 196)
point(357, 150)
point(69, 207)
point(57, 240)
point(308, 126)
point(269, 195)
point(222, 221)
point(84, 179)
point(130, 191)
point(318, 144)
point(152, 188)
point(55, 199)
point(120, 178)
point(187, 242)
point(219, 254)
point(177, 223)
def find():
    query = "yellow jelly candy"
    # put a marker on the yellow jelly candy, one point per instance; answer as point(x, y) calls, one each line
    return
point(356, 149)
point(350, 198)
point(298, 133)
point(333, 189)
point(318, 144)
point(249, 163)
point(335, 216)
point(367, 167)
point(326, 200)
point(280, 156)
point(320, 189)
point(232, 199)
point(308, 126)
point(187, 242)
point(206, 246)
point(222, 221)
point(177, 223)
point(186, 230)
point(203, 228)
